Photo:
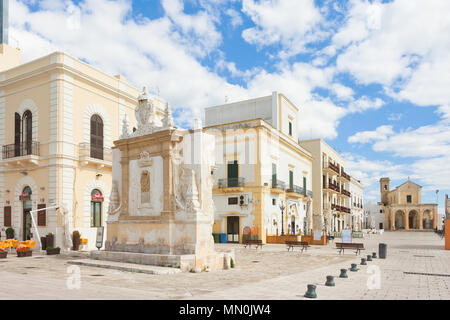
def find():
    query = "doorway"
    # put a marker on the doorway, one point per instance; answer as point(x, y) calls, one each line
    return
point(26, 220)
point(233, 229)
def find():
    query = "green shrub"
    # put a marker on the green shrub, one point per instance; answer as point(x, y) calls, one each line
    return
point(231, 263)
point(10, 233)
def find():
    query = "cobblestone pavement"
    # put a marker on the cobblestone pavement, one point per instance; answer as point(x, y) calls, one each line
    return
point(417, 267)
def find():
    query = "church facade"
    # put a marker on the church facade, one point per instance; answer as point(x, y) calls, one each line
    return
point(403, 208)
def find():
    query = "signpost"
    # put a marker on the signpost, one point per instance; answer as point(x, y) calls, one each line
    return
point(346, 236)
point(99, 239)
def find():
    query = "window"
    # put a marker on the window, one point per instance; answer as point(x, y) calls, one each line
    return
point(96, 208)
point(385, 187)
point(291, 179)
point(304, 186)
point(290, 128)
point(42, 216)
point(274, 202)
point(274, 175)
point(7, 216)
point(96, 137)
point(233, 201)
point(27, 132)
point(408, 199)
point(233, 174)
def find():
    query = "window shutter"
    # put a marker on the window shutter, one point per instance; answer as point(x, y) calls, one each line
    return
point(7, 216)
point(42, 216)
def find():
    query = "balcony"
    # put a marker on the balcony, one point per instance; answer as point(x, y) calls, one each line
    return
point(89, 154)
point(345, 175)
point(332, 186)
point(345, 192)
point(231, 183)
point(279, 185)
point(333, 167)
point(21, 154)
point(340, 208)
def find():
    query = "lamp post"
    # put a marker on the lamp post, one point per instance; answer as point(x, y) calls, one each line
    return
point(282, 207)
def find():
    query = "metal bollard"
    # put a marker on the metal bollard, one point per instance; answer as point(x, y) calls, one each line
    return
point(363, 262)
point(374, 255)
point(330, 281)
point(311, 293)
point(369, 257)
point(354, 267)
point(343, 273)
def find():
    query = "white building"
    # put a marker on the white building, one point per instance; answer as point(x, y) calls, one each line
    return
point(260, 166)
point(373, 216)
point(357, 200)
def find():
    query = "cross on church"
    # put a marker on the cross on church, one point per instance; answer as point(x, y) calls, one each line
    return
point(4, 8)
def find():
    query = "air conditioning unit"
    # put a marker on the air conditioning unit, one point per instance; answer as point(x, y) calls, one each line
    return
point(244, 200)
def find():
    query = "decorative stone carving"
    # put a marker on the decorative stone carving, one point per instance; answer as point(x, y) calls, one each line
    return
point(114, 202)
point(125, 133)
point(192, 203)
point(145, 160)
point(168, 120)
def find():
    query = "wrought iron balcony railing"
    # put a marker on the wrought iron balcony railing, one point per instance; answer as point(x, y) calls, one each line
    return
point(279, 185)
point(21, 150)
point(87, 150)
point(232, 183)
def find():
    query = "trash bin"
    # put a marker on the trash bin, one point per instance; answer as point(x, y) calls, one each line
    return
point(382, 250)
point(216, 237)
point(223, 238)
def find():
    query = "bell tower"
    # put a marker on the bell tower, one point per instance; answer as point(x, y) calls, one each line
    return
point(384, 190)
point(4, 21)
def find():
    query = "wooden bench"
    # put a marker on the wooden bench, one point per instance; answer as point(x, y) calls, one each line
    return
point(355, 246)
point(257, 243)
point(292, 244)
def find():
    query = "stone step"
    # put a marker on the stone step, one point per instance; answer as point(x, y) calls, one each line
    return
point(128, 267)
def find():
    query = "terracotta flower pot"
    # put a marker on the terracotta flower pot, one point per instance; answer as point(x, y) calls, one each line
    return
point(24, 254)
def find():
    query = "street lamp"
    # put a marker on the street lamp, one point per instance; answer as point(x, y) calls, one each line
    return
point(282, 207)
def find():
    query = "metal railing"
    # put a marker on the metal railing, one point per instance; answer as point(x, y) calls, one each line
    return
point(345, 175)
point(345, 192)
point(232, 183)
point(279, 185)
point(20, 150)
point(86, 150)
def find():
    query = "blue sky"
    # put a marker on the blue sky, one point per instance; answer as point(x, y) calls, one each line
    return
point(370, 77)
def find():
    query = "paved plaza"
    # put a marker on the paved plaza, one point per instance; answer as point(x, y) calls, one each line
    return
point(417, 267)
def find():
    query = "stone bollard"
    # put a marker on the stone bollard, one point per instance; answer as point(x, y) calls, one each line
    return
point(343, 273)
point(354, 267)
point(369, 257)
point(330, 281)
point(363, 262)
point(226, 261)
point(311, 293)
point(374, 255)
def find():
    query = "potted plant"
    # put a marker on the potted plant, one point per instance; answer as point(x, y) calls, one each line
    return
point(76, 239)
point(9, 233)
point(50, 240)
point(24, 252)
point(3, 253)
point(53, 251)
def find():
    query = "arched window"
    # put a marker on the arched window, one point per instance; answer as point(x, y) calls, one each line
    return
point(17, 134)
point(96, 208)
point(27, 132)
point(96, 137)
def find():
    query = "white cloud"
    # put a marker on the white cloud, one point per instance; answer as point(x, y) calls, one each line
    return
point(403, 45)
point(380, 134)
point(395, 117)
point(291, 23)
point(364, 103)
point(236, 19)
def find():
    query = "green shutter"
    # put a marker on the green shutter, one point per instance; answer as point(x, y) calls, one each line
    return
point(274, 175)
point(291, 180)
point(304, 186)
point(233, 174)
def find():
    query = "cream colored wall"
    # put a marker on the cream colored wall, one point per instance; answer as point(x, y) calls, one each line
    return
point(9, 57)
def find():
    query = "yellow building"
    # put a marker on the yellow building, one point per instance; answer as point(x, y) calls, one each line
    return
point(58, 120)
point(331, 187)
point(403, 207)
point(260, 168)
